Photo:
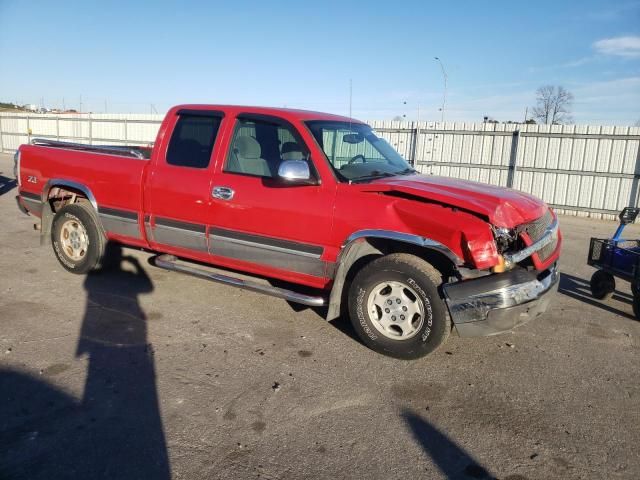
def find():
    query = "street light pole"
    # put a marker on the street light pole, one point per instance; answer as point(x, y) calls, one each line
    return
point(444, 94)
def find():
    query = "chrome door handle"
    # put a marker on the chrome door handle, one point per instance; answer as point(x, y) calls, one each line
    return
point(223, 193)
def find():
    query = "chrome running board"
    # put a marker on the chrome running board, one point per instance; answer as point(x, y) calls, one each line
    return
point(170, 262)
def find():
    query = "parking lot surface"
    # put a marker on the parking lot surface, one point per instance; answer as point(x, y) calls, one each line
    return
point(142, 373)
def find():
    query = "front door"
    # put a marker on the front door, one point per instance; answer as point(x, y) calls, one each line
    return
point(262, 222)
point(177, 193)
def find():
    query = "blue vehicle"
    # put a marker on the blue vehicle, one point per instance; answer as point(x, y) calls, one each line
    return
point(616, 257)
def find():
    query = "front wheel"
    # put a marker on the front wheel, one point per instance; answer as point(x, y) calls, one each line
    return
point(396, 309)
point(78, 241)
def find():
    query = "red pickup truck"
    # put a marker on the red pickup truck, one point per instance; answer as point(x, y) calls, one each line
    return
point(312, 199)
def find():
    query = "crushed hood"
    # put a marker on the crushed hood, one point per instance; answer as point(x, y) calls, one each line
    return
point(504, 207)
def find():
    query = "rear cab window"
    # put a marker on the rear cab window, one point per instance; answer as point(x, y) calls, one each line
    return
point(193, 138)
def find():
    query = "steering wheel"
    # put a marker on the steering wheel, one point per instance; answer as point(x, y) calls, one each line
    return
point(359, 156)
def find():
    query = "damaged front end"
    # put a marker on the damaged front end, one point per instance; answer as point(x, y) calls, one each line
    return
point(521, 286)
point(497, 303)
point(537, 240)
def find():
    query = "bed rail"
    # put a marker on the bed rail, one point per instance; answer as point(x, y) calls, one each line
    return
point(140, 153)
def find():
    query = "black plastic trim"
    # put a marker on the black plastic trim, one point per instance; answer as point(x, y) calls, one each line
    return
point(114, 212)
point(192, 227)
point(270, 241)
point(200, 113)
point(31, 196)
point(20, 206)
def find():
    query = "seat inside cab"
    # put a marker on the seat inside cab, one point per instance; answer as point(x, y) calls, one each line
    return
point(259, 147)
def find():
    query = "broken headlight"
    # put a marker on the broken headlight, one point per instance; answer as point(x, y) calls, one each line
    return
point(505, 238)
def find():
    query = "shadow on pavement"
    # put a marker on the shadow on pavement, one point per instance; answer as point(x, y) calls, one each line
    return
point(451, 459)
point(7, 184)
point(579, 289)
point(115, 430)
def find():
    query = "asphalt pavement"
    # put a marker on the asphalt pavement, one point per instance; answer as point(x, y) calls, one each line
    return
point(143, 373)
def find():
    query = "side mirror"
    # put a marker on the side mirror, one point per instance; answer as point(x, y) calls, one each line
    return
point(295, 172)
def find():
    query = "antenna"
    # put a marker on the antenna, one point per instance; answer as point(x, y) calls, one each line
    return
point(444, 93)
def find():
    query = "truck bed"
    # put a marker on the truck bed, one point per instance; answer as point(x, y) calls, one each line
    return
point(117, 187)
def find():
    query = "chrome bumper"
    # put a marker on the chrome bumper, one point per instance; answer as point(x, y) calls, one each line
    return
point(498, 303)
point(550, 234)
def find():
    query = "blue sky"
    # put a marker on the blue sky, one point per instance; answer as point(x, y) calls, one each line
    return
point(132, 55)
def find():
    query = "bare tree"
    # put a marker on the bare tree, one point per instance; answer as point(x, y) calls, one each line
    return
point(553, 105)
point(637, 124)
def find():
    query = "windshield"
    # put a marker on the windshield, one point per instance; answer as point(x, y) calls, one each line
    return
point(356, 153)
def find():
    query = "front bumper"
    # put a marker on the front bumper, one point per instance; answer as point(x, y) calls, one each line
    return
point(500, 302)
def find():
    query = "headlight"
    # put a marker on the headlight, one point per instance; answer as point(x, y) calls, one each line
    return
point(505, 238)
point(16, 166)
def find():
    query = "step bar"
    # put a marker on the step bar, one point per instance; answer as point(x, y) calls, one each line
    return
point(170, 262)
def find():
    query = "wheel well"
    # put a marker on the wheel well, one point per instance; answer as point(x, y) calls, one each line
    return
point(59, 196)
point(368, 249)
point(437, 259)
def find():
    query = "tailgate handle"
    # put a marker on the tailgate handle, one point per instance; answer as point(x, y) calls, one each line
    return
point(223, 193)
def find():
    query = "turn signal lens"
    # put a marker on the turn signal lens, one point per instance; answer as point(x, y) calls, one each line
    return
point(500, 267)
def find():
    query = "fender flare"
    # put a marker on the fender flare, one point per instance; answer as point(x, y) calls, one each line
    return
point(47, 215)
point(58, 182)
point(358, 246)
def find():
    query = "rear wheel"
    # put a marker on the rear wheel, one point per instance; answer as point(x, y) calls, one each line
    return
point(396, 309)
point(602, 284)
point(78, 241)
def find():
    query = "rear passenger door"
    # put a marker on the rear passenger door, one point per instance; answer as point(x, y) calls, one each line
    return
point(177, 191)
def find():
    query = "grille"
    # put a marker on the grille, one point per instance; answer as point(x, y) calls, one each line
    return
point(546, 251)
point(536, 230)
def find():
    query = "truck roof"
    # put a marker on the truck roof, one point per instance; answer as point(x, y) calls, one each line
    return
point(286, 113)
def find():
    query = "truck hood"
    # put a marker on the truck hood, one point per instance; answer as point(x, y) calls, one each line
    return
point(504, 207)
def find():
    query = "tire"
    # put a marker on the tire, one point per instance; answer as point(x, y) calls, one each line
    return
point(411, 285)
point(77, 238)
point(636, 305)
point(602, 285)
